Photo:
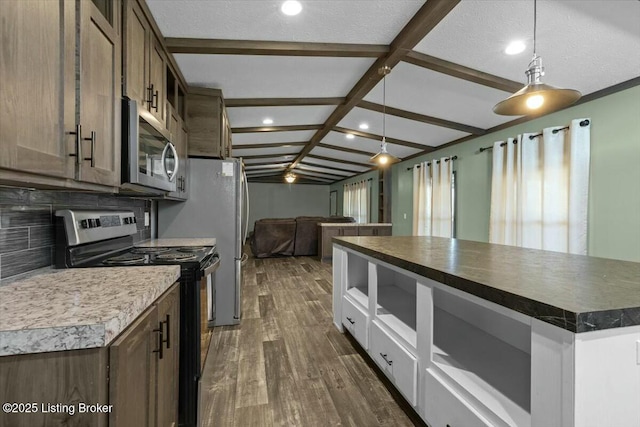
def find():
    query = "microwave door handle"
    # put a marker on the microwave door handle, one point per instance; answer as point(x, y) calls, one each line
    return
point(170, 174)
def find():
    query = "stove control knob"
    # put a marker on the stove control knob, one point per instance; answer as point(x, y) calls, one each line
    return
point(92, 223)
point(126, 220)
point(98, 222)
point(134, 220)
point(84, 223)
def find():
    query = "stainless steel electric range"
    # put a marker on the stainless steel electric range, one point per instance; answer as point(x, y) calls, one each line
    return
point(86, 238)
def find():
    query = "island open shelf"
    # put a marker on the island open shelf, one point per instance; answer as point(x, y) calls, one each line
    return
point(485, 353)
point(357, 285)
point(396, 303)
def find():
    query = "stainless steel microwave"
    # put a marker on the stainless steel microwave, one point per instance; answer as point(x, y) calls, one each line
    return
point(149, 158)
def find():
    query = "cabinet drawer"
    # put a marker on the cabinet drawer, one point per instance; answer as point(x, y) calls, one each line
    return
point(396, 362)
point(444, 407)
point(355, 320)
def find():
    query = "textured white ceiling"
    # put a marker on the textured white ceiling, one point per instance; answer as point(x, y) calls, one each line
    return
point(342, 155)
point(401, 128)
point(312, 173)
point(281, 116)
point(584, 45)
point(252, 168)
point(272, 137)
point(304, 166)
point(328, 21)
point(417, 89)
point(370, 145)
point(254, 76)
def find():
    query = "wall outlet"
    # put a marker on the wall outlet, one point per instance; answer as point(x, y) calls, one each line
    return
point(405, 216)
point(147, 221)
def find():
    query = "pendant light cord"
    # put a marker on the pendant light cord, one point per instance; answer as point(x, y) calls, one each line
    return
point(384, 106)
point(534, 27)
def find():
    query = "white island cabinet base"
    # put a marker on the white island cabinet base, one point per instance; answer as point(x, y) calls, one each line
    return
point(460, 360)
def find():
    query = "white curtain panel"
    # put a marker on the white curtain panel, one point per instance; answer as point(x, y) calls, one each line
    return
point(539, 190)
point(356, 201)
point(432, 207)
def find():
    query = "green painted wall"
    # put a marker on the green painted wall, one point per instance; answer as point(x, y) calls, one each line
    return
point(614, 193)
point(375, 184)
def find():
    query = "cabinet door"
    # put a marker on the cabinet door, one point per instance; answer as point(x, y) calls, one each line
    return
point(204, 122)
point(100, 92)
point(133, 365)
point(366, 230)
point(349, 230)
point(37, 99)
point(169, 319)
point(136, 55)
point(175, 128)
point(157, 81)
point(225, 139)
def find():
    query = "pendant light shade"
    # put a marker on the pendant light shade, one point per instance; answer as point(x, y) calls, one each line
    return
point(383, 158)
point(536, 97)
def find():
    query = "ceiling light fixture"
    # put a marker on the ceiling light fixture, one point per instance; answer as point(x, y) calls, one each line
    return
point(515, 47)
point(350, 136)
point(290, 178)
point(291, 7)
point(383, 158)
point(363, 126)
point(267, 121)
point(536, 97)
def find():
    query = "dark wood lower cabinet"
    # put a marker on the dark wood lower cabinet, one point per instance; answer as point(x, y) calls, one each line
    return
point(326, 232)
point(134, 380)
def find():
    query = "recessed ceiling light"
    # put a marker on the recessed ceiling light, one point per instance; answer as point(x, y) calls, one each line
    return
point(291, 7)
point(267, 122)
point(350, 136)
point(363, 126)
point(515, 47)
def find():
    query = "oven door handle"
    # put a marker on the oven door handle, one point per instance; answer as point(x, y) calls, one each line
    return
point(211, 268)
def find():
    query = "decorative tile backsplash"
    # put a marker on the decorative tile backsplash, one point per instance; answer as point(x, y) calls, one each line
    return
point(27, 235)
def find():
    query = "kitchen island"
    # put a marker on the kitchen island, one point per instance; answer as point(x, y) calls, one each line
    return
point(479, 334)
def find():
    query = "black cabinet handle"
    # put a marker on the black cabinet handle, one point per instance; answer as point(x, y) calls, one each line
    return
point(389, 362)
point(168, 324)
point(160, 341)
point(92, 138)
point(150, 96)
point(78, 134)
point(351, 320)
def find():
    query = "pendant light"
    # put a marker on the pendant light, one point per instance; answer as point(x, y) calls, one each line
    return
point(536, 97)
point(383, 158)
point(290, 178)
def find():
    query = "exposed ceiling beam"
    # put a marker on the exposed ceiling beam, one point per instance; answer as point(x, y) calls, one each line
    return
point(462, 72)
point(275, 128)
point(420, 117)
point(280, 48)
point(263, 169)
point(281, 102)
point(332, 159)
point(269, 156)
point(346, 149)
point(270, 145)
point(274, 164)
point(307, 162)
point(427, 17)
point(319, 174)
point(308, 176)
point(379, 138)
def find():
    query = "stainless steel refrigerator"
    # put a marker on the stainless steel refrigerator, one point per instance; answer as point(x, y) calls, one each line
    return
point(218, 206)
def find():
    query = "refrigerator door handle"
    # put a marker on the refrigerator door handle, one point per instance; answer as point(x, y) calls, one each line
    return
point(238, 291)
point(246, 201)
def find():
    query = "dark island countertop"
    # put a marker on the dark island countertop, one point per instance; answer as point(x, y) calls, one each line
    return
point(575, 292)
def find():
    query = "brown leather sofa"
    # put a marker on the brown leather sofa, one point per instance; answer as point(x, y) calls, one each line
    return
point(289, 236)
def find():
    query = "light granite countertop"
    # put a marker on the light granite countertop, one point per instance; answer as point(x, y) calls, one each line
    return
point(176, 242)
point(77, 308)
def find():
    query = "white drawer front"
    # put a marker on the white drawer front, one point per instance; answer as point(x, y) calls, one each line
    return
point(444, 407)
point(397, 363)
point(355, 320)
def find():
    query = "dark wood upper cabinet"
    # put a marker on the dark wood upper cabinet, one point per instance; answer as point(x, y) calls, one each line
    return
point(209, 128)
point(144, 63)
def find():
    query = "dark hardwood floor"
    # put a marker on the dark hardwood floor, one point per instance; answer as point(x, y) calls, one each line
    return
point(286, 364)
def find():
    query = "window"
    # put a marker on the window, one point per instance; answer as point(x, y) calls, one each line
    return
point(356, 201)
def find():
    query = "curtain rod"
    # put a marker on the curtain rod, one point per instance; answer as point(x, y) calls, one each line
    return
point(437, 161)
point(368, 179)
point(583, 123)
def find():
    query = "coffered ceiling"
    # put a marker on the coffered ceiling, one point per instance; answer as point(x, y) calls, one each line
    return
point(315, 74)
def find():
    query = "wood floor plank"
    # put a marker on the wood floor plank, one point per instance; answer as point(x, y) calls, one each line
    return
point(340, 344)
point(254, 416)
point(250, 303)
point(317, 407)
point(252, 385)
point(222, 362)
point(217, 408)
